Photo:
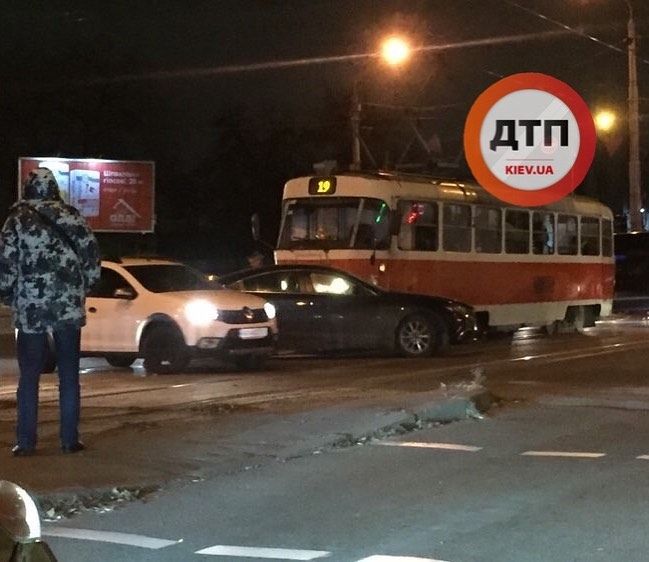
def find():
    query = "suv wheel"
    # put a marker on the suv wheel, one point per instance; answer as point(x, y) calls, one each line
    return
point(120, 360)
point(164, 350)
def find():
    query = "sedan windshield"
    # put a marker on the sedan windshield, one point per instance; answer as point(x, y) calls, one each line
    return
point(166, 278)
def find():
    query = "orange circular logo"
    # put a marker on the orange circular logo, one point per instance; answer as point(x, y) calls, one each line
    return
point(529, 139)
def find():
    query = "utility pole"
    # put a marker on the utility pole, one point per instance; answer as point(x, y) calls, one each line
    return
point(635, 194)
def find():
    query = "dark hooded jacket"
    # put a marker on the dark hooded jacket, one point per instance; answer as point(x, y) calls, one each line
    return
point(45, 275)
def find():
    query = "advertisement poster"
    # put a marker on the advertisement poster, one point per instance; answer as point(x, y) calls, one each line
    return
point(112, 195)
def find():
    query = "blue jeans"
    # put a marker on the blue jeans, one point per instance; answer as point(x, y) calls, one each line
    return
point(32, 353)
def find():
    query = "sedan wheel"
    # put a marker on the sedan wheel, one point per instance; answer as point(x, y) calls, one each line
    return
point(419, 336)
point(164, 350)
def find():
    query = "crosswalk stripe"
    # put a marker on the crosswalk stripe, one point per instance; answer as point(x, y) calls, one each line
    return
point(383, 558)
point(106, 536)
point(574, 454)
point(263, 552)
point(424, 445)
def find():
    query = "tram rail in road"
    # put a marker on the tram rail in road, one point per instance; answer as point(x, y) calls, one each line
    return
point(315, 378)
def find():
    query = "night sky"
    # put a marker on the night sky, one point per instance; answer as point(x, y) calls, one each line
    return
point(232, 97)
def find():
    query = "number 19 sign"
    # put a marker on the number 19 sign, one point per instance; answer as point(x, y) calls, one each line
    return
point(529, 139)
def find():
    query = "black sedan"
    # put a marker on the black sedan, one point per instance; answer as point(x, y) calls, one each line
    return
point(321, 309)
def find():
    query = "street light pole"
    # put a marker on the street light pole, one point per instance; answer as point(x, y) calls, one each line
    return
point(395, 51)
point(635, 195)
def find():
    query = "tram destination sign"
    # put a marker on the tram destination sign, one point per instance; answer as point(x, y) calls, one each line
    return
point(322, 185)
point(529, 139)
point(112, 195)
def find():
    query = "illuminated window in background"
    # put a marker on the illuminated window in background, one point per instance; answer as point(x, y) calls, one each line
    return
point(517, 232)
point(589, 236)
point(457, 227)
point(543, 233)
point(488, 230)
point(419, 229)
point(567, 235)
point(607, 238)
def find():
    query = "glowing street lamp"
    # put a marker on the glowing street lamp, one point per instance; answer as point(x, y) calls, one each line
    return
point(395, 51)
point(605, 120)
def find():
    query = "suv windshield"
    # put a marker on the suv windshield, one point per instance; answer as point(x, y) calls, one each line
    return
point(166, 278)
point(335, 222)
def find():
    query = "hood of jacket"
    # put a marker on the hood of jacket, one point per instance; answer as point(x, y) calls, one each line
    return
point(41, 186)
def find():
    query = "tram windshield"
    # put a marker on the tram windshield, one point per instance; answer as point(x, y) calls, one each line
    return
point(335, 223)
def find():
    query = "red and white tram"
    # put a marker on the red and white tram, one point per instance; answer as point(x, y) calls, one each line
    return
point(516, 266)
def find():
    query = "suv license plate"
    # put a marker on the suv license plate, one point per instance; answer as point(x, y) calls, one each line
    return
point(252, 333)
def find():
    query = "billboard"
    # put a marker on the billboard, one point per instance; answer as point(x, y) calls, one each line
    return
point(112, 195)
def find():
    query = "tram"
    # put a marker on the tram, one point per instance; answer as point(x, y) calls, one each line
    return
point(542, 266)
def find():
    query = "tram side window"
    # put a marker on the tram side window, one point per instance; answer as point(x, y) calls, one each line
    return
point(488, 230)
point(419, 226)
point(517, 232)
point(457, 227)
point(543, 233)
point(589, 236)
point(567, 235)
point(607, 238)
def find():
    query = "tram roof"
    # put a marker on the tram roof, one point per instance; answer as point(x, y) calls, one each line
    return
point(466, 190)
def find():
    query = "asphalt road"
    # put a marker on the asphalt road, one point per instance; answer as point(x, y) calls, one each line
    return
point(557, 470)
point(529, 484)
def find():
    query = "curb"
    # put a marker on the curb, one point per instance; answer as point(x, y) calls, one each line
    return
point(321, 430)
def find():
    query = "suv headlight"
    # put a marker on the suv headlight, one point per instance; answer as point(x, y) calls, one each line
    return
point(201, 312)
point(270, 311)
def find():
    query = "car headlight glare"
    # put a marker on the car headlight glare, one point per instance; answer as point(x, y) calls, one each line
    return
point(270, 311)
point(201, 312)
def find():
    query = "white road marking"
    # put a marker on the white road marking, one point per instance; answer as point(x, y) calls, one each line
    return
point(643, 457)
point(383, 558)
point(573, 454)
point(105, 536)
point(424, 445)
point(262, 552)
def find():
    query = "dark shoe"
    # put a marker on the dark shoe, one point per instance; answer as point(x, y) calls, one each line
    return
point(18, 451)
point(75, 448)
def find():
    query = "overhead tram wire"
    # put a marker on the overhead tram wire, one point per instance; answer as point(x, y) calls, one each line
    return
point(572, 30)
point(301, 62)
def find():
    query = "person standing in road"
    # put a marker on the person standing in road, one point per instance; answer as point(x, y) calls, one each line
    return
point(49, 261)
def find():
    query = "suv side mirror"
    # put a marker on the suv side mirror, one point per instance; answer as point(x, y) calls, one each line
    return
point(126, 293)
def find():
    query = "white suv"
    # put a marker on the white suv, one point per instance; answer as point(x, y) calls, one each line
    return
point(167, 313)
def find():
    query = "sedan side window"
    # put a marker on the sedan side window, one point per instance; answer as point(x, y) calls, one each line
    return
point(108, 283)
point(331, 284)
point(276, 282)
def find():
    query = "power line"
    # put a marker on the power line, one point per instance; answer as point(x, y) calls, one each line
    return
point(570, 29)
